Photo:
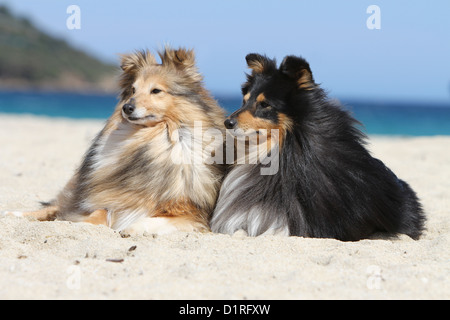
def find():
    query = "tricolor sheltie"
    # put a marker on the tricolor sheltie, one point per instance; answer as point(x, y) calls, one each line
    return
point(131, 178)
point(326, 185)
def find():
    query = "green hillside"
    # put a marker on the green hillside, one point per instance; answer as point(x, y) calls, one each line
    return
point(29, 58)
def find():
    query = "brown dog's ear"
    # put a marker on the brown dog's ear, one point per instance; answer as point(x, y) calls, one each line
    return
point(126, 62)
point(259, 63)
point(184, 57)
point(130, 65)
point(136, 60)
point(180, 58)
point(298, 69)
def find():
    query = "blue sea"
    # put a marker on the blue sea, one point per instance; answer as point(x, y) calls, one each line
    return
point(381, 118)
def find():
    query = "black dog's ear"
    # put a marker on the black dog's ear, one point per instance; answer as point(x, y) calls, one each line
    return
point(298, 69)
point(259, 63)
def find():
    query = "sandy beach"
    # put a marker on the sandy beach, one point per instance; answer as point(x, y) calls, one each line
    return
point(63, 260)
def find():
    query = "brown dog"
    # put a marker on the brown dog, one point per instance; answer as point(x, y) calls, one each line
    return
point(131, 178)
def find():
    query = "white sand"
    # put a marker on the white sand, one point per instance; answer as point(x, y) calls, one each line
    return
point(62, 260)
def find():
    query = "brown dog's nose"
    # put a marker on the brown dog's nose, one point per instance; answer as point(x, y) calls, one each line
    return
point(230, 123)
point(128, 108)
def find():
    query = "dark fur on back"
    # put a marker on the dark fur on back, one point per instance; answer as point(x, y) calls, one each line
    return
point(327, 185)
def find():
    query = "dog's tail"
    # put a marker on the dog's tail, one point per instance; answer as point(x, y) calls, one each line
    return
point(413, 216)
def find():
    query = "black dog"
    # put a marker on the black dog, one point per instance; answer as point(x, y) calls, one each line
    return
point(327, 184)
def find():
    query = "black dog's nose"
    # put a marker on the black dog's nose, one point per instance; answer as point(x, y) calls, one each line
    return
point(128, 108)
point(230, 123)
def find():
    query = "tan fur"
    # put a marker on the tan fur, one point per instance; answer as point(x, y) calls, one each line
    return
point(46, 214)
point(183, 210)
point(247, 121)
point(257, 66)
point(285, 123)
point(261, 97)
point(98, 217)
point(129, 174)
point(305, 80)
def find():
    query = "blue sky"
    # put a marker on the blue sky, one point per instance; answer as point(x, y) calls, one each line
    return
point(407, 59)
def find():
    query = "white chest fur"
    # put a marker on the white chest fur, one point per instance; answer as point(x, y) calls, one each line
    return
point(151, 165)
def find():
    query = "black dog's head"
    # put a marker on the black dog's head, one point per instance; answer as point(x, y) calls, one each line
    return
point(267, 95)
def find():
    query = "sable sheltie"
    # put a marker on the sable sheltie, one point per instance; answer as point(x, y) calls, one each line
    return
point(130, 178)
point(326, 185)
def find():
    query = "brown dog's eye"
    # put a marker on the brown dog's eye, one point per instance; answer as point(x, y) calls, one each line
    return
point(156, 91)
point(133, 90)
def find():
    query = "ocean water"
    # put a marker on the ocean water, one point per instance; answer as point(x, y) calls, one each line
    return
point(383, 118)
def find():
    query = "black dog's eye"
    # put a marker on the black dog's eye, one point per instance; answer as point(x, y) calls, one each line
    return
point(156, 91)
point(264, 104)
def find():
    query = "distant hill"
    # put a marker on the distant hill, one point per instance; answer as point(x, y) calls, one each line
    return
point(31, 59)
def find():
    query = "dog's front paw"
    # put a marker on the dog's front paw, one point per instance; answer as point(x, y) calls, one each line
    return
point(149, 226)
point(11, 213)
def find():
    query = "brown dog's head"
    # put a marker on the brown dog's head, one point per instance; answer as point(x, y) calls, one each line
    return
point(151, 90)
